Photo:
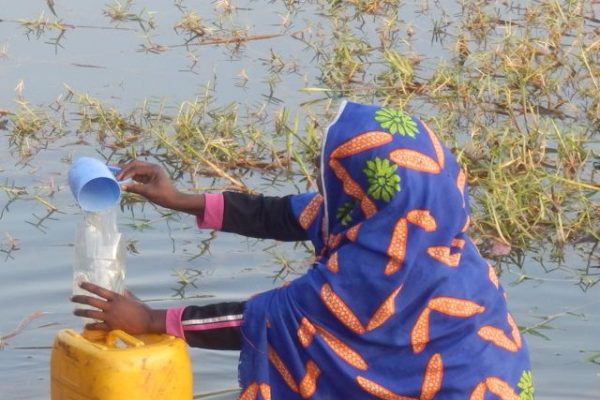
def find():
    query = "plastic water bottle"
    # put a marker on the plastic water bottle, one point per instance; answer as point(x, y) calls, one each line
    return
point(99, 253)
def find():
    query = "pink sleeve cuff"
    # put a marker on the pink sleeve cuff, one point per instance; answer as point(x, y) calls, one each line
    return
point(213, 212)
point(173, 322)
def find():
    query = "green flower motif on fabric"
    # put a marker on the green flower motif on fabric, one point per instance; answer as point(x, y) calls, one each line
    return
point(382, 178)
point(343, 213)
point(526, 385)
point(396, 122)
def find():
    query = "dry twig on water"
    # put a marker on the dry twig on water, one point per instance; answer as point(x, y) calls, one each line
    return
point(20, 327)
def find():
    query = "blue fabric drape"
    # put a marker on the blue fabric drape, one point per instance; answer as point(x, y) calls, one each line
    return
point(399, 305)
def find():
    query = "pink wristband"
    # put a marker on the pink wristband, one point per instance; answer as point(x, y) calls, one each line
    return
point(213, 212)
point(173, 322)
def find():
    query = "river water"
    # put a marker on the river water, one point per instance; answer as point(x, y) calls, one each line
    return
point(36, 275)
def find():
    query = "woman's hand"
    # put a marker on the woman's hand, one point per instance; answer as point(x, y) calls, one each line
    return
point(149, 181)
point(115, 311)
point(153, 183)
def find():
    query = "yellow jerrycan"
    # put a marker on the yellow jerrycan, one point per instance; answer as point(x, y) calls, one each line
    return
point(117, 366)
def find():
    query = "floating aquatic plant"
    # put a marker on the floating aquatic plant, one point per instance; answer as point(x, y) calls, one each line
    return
point(513, 91)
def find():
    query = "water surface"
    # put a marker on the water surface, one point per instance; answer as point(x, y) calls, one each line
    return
point(106, 63)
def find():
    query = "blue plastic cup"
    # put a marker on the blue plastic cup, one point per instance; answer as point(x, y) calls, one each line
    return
point(93, 184)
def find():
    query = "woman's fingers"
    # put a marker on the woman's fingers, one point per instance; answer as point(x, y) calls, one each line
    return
point(142, 173)
point(143, 189)
point(92, 314)
point(90, 301)
point(98, 291)
point(138, 170)
point(97, 326)
point(125, 171)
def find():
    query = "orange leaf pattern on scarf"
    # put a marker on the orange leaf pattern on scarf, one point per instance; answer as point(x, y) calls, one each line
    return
point(414, 160)
point(423, 219)
point(432, 382)
point(308, 384)
point(310, 212)
point(341, 311)
point(384, 312)
point(450, 306)
point(397, 247)
point(282, 369)
point(362, 142)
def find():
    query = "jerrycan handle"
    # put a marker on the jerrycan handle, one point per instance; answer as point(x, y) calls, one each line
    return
point(132, 341)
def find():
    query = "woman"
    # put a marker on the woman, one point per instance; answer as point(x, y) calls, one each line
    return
point(399, 305)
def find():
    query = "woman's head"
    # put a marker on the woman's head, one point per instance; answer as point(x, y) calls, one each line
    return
point(381, 163)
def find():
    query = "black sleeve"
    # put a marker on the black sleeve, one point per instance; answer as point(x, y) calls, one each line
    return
point(261, 217)
point(214, 326)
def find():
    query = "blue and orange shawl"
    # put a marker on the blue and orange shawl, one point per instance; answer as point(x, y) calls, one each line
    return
point(400, 304)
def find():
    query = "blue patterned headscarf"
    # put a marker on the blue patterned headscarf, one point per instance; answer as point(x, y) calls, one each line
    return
point(399, 305)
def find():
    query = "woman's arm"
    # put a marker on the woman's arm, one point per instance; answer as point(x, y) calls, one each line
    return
point(260, 216)
point(116, 311)
point(153, 183)
point(249, 215)
point(214, 326)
